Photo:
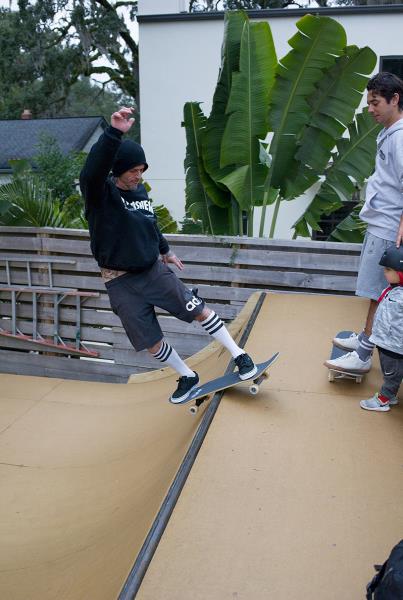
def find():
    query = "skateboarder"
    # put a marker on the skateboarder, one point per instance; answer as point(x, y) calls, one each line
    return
point(387, 332)
point(382, 211)
point(133, 255)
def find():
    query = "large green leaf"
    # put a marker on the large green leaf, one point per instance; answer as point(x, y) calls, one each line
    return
point(319, 41)
point(248, 117)
point(202, 194)
point(29, 203)
point(351, 165)
point(333, 105)
point(351, 229)
point(217, 120)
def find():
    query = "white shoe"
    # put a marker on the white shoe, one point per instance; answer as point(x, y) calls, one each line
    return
point(375, 404)
point(348, 343)
point(351, 363)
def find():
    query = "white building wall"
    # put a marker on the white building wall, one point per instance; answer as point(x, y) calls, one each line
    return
point(179, 62)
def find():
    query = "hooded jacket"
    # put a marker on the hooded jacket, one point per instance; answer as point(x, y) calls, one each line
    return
point(387, 330)
point(384, 194)
point(123, 228)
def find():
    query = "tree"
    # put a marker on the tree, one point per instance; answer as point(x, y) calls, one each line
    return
point(46, 47)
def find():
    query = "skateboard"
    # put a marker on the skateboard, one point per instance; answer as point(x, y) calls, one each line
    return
point(202, 392)
point(335, 374)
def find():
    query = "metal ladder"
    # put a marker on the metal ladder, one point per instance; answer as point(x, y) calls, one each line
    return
point(57, 295)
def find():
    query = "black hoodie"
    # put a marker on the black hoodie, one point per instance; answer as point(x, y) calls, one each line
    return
point(123, 228)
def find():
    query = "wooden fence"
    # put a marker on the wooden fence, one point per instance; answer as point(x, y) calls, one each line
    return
point(226, 271)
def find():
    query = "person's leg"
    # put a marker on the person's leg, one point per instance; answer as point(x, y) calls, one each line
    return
point(365, 347)
point(214, 326)
point(188, 379)
point(168, 292)
point(370, 283)
point(392, 370)
point(373, 305)
point(166, 354)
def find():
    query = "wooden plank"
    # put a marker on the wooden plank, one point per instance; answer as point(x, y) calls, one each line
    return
point(264, 278)
point(26, 244)
point(191, 240)
point(286, 258)
point(20, 363)
point(175, 238)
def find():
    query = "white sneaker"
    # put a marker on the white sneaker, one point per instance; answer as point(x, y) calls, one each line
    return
point(375, 404)
point(351, 363)
point(348, 343)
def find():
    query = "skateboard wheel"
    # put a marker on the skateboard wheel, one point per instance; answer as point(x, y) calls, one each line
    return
point(254, 389)
point(194, 410)
point(331, 376)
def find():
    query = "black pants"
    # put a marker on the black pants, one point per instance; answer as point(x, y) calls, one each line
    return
point(392, 370)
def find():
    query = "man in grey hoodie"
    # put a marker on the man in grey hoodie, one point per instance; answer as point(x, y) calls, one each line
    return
point(382, 211)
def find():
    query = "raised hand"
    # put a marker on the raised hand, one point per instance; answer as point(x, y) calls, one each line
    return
point(122, 120)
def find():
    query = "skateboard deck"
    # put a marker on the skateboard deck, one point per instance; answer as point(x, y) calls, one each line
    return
point(335, 374)
point(202, 392)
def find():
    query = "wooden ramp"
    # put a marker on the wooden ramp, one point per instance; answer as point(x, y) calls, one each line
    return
point(295, 493)
point(84, 468)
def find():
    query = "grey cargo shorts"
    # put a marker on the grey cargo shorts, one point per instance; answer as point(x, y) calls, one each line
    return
point(133, 297)
point(371, 279)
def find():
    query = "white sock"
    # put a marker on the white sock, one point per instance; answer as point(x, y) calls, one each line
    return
point(216, 328)
point(168, 355)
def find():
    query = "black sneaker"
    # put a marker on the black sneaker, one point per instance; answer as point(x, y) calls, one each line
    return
point(185, 386)
point(246, 366)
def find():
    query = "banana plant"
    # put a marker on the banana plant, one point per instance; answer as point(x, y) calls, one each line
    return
point(351, 229)
point(205, 200)
point(247, 122)
point(222, 164)
point(318, 88)
point(303, 104)
point(353, 161)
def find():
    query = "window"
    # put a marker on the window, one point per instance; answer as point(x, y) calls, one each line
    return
point(392, 64)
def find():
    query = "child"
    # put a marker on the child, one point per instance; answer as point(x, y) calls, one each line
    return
point(387, 332)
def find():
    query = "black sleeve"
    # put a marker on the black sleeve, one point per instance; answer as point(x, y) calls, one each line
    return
point(164, 246)
point(99, 164)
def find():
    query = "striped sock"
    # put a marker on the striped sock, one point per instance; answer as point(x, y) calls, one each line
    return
point(168, 355)
point(366, 348)
point(216, 328)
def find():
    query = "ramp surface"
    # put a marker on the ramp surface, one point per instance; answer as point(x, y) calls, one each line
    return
point(296, 492)
point(84, 469)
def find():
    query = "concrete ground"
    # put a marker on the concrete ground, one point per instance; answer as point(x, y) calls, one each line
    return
point(295, 493)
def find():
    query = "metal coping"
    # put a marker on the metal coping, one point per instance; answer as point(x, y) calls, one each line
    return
point(275, 13)
point(153, 538)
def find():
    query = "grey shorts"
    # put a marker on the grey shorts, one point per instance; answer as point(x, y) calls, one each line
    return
point(133, 297)
point(371, 280)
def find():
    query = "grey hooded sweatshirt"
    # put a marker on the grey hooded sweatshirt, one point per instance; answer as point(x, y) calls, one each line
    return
point(387, 331)
point(384, 195)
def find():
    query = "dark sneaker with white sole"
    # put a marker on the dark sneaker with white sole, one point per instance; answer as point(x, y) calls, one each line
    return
point(246, 366)
point(185, 386)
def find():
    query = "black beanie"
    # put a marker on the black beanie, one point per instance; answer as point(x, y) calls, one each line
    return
point(129, 155)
